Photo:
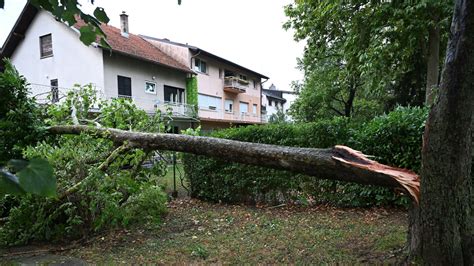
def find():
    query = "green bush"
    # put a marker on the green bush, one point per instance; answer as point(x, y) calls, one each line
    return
point(121, 194)
point(394, 139)
point(20, 123)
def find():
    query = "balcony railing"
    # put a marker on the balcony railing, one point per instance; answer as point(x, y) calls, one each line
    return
point(176, 109)
point(235, 85)
point(44, 94)
point(226, 116)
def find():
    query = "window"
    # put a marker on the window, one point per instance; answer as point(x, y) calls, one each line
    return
point(269, 102)
point(229, 106)
point(244, 107)
point(200, 65)
point(242, 77)
point(209, 102)
point(173, 94)
point(150, 87)
point(228, 73)
point(124, 86)
point(46, 46)
point(54, 91)
point(254, 84)
point(254, 110)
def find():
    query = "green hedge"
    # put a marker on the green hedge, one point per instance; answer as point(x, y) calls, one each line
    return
point(394, 139)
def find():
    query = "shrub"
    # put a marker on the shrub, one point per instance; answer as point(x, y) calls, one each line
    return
point(394, 138)
point(120, 195)
point(20, 123)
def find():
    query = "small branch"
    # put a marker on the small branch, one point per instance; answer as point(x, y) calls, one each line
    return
point(97, 124)
point(102, 167)
point(335, 110)
point(75, 121)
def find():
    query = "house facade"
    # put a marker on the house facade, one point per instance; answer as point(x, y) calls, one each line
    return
point(274, 100)
point(153, 73)
point(228, 94)
point(52, 58)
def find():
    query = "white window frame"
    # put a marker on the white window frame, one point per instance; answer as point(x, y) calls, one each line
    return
point(231, 109)
point(243, 104)
point(216, 106)
point(254, 109)
point(147, 90)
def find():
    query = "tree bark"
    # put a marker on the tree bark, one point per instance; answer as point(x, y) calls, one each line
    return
point(337, 163)
point(443, 226)
point(432, 75)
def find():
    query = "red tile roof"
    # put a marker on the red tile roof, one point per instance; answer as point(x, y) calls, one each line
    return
point(137, 47)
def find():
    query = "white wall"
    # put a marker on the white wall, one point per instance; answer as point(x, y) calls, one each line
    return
point(72, 62)
point(140, 72)
point(290, 99)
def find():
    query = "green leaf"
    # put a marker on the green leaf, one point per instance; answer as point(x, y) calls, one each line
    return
point(179, 2)
point(100, 15)
point(9, 184)
point(2, 3)
point(37, 178)
point(88, 35)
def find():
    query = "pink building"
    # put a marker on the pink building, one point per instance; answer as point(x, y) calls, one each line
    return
point(228, 94)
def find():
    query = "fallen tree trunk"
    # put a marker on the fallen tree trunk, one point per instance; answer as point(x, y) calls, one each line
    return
point(337, 163)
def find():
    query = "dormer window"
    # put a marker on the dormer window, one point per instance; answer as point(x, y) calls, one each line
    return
point(46, 46)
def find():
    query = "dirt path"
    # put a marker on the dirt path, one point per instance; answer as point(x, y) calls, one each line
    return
point(200, 232)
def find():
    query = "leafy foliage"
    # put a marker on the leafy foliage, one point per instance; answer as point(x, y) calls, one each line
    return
point(118, 194)
point(363, 57)
point(394, 138)
point(20, 123)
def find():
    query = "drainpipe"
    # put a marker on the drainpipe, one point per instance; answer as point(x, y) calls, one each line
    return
point(198, 53)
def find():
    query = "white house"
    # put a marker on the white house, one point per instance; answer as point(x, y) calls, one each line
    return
point(152, 72)
point(51, 56)
point(274, 100)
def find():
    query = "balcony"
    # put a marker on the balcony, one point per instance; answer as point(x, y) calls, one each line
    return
point(219, 115)
point(235, 85)
point(176, 109)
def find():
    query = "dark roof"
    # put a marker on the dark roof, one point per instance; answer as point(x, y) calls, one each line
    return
point(17, 34)
point(198, 50)
point(137, 47)
point(133, 46)
point(278, 95)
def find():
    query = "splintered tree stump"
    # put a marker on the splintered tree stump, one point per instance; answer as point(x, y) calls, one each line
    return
point(406, 178)
point(338, 163)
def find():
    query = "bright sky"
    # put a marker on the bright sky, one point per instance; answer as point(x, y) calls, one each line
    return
point(247, 32)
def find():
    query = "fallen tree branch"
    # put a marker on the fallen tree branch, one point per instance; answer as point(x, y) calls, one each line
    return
point(337, 163)
point(102, 167)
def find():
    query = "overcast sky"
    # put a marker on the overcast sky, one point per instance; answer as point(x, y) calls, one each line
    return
point(247, 32)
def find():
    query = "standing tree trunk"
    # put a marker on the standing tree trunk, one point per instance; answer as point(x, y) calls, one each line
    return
point(432, 74)
point(442, 232)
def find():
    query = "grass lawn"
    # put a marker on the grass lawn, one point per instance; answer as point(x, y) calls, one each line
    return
point(200, 232)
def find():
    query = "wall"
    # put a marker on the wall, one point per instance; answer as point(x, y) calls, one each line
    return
point(72, 62)
point(177, 52)
point(211, 84)
point(140, 72)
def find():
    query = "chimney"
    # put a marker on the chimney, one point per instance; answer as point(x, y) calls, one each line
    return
point(124, 24)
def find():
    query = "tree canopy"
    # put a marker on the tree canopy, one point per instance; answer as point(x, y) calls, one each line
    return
point(363, 57)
